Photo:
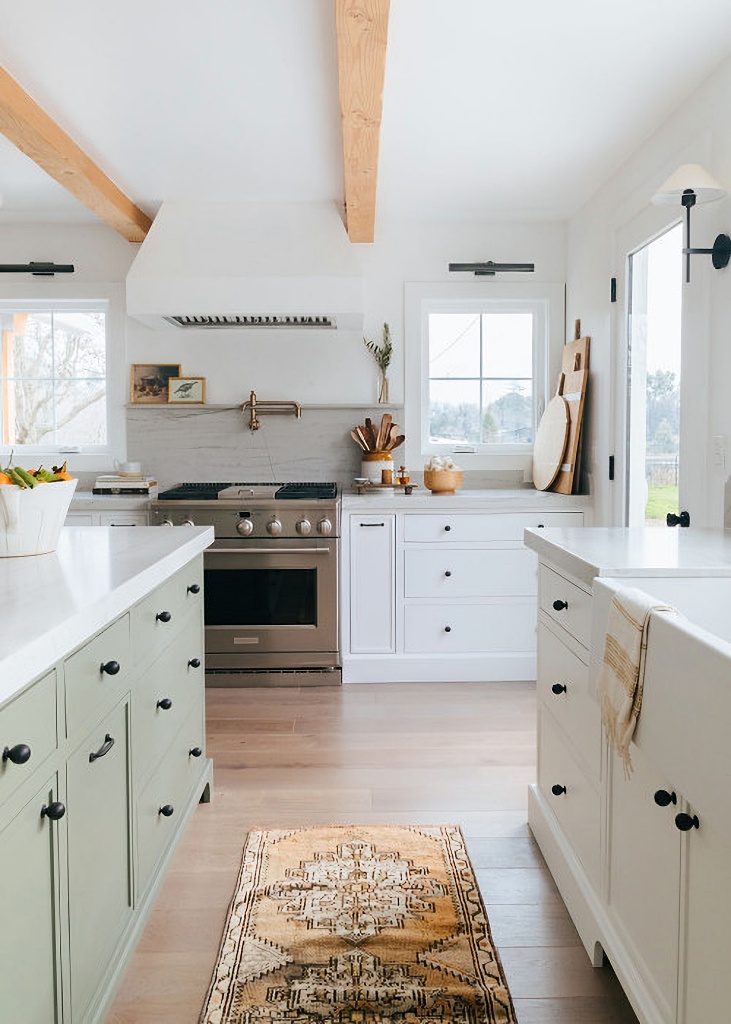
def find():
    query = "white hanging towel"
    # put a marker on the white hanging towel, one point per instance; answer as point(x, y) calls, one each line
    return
point(623, 667)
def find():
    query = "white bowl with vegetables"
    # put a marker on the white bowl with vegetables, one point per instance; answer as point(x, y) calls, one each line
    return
point(33, 507)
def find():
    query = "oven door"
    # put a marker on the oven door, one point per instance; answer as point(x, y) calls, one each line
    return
point(271, 603)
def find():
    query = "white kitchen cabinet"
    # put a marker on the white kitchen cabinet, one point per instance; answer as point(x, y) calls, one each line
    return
point(441, 590)
point(651, 889)
point(77, 878)
point(111, 518)
point(371, 611)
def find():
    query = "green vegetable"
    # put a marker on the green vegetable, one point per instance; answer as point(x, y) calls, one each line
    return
point(28, 480)
point(16, 477)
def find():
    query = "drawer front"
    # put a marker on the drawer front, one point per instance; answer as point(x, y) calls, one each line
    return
point(163, 614)
point(28, 721)
point(169, 786)
point(90, 687)
point(570, 703)
point(576, 801)
point(474, 527)
point(470, 628)
point(565, 603)
point(470, 573)
point(163, 699)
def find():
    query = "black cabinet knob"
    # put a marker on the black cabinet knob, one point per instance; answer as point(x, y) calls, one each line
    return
point(559, 605)
point(163, 616)
point(195, 663)
point(558, 790)
point(18, 754)
point(195, 751)
point(167, 810)
point(447, 528)
point(165, 704)
point(685, 822)
point(662, 798)
point(558, 688)
point(448, 572)
point(194, 588)
point(447, 629)
point(110, 667)
point(54, 811)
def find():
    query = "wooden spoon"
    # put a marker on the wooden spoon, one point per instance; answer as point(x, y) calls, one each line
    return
point(363, 441)
point(370, 433)
point(396, 442)
point(383, 431)
point(357, 439)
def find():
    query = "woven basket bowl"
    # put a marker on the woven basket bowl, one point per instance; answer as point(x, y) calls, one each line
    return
point(443, 481)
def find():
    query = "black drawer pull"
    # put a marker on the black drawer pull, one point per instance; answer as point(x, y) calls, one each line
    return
point(194, 663)
point(167, 810)
point(447, 629)
point(448, 572)
point(558, 790)
point(110, 667)
point(541, 526)
point(662, 798)
point(685, 822)
point(103, 749)
point(558, 688)
point(163, 616)
point(194, 588)
point(559, 605)
point(165, 704)
point(18, 754)
point(195, 752)
point(53, 811)
point(372, 524)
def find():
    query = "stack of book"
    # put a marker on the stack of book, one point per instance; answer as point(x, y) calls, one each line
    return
point(128, 484)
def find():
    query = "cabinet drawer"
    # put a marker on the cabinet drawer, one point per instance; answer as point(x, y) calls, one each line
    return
point(160, 617)
point(470, 628)
point(90, 677)
point(469, 573)
point(474, 527)
point(565, 603)
point(28, 721)
point(170, 787)
point(170, 679)
point(573, 707)
point(575, 802)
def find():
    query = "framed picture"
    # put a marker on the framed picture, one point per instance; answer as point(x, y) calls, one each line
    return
point(149, 382)
point(186, 390)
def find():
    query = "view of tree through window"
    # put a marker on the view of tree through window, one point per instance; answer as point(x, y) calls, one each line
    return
point(481, 377)
point(54, 378)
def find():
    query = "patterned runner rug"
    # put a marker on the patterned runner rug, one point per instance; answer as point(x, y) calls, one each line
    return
point(357, 925)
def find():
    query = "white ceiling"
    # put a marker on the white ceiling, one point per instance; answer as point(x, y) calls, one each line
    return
point(517, 109)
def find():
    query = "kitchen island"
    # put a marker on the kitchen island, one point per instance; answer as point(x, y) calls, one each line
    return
point(641, 861)
point(103, 755)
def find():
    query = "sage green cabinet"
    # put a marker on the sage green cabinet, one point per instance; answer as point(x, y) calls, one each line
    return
point(29, 937)
point(99, 852)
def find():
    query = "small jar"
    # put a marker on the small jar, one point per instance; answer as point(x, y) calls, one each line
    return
point(402, 477)
point(373, 463)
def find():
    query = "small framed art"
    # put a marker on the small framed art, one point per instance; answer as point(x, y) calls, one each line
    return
point(149, 382)
point(187, 390)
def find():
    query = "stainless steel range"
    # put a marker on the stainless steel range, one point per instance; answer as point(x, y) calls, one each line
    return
point(271, 579)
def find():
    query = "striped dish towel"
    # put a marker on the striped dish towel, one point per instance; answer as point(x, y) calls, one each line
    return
point(623, 668)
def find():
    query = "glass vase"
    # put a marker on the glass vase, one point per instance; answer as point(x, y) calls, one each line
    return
point(383, 389)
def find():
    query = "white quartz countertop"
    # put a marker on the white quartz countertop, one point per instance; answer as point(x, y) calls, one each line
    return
point(651, 551)
point(491, 499)
point(85, 501)
point(50, 604)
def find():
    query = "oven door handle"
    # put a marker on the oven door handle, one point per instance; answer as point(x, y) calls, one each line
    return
point(268, 551)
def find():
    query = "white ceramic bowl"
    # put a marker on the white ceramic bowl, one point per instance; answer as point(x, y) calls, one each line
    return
point(31, 518)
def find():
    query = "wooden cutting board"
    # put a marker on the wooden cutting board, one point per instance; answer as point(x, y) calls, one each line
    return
point(550, 443)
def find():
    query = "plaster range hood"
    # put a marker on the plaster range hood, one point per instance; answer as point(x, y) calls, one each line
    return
point(246, 265)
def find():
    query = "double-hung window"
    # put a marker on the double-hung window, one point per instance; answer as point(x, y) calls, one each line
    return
point(477, 369)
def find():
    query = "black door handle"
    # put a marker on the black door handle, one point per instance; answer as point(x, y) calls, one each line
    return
point(662, 798)
point(166, 810)
point(195, 663)
point(103, 749)
point(165, 704)
point(110, 667)
point(54, 811)
point(18, 754)
point(681, 520)
point(685, 822)
point(163, 616)
point(558, 688)
point(194, 588)
point(559, 605)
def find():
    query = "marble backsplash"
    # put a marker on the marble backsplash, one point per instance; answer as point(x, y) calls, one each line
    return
point(215, 443)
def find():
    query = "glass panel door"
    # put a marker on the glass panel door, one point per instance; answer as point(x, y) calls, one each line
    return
point(654, 333)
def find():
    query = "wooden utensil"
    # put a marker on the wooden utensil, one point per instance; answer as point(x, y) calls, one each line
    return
point(550, 443)
point(370, 433)
point(383, 431)
point(356, 437)
point(361, 435)
point(396, 442)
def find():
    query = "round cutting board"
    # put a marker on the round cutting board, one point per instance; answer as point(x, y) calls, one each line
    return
point(550, 443)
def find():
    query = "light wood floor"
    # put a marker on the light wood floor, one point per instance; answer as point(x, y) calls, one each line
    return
point(404, 753)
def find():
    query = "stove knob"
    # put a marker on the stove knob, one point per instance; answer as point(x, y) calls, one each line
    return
point(325, 527)
point(245, 527)
point(303, 527)
point(187, 522)
point(166, 522)
point(274, 527)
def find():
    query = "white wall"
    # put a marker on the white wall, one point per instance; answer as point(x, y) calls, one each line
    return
point(621, 217)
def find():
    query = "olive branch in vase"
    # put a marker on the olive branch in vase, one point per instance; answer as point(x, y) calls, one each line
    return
point(382, 355)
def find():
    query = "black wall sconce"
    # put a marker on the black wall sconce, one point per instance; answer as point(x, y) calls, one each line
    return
point(489, 269)
point(687, 187)
point(37, 269)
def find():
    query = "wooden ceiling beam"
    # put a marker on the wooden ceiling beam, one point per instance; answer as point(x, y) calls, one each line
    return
point(362, 30)
point(37, 135)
